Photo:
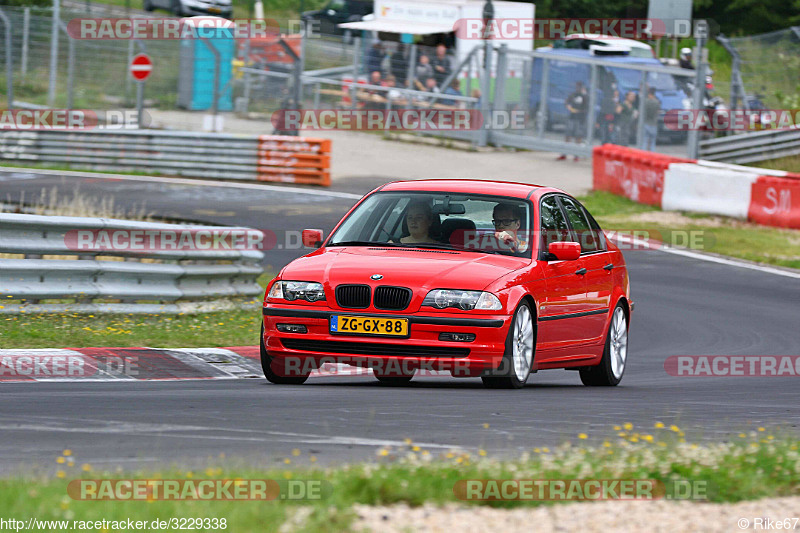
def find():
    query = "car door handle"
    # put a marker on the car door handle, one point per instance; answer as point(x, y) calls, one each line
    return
point(580, 272)
point(609, 266)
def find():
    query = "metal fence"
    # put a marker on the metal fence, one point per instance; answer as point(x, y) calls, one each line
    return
point(40, 269)
point(536, 83)
point(90, 74)
point(766, 70)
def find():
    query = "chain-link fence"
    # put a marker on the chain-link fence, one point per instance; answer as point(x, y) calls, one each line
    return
point(769, 65)
point(568, 100)
point(91, 74)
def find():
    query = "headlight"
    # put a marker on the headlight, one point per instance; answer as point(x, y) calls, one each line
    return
point(466, 300)
point(687, 103)
point(309, 291)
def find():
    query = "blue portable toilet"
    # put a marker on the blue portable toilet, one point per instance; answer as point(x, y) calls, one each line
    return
point(197, 62)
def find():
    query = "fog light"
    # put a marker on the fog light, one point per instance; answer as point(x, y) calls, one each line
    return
point(292, 328)
point(457, 337)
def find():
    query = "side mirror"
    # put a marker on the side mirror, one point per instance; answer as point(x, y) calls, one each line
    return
point(312, 238)
point(565, 251)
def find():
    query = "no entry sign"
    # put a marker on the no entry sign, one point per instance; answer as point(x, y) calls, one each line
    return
point(141, 67)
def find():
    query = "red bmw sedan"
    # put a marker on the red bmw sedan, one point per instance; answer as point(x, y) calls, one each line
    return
point(477, 278)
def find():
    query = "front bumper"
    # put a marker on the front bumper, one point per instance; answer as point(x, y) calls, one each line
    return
point(421, 350)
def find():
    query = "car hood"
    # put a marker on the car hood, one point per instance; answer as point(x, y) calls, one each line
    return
point(417, 269)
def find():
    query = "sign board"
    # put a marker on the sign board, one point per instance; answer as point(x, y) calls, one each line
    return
point(141, 67)
point(676, 15)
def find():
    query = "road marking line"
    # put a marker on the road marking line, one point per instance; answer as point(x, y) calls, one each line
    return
point(659, 247)
point(184, 181)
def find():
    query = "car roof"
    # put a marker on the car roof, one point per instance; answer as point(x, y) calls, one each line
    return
point(615, 59)
point(608, 38)
point(498, 188)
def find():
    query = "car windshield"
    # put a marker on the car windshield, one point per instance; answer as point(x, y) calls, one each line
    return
point(440, 220)
point(629, 79)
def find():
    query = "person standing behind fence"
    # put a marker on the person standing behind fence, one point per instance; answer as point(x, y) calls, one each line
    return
point(375, 57)
point(441, 65)
point(652, 109)
point(577, 105)
point(424, 71)
point(626, 118)
point(398, 64)
point(608, 115)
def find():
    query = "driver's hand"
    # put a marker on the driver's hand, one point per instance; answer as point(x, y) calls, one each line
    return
point(506, 238)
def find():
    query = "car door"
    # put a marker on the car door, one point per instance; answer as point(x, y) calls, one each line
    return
point(597, 262)
point(561, 318)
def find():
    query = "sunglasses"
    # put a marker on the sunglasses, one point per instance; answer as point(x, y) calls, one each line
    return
point(504, 221)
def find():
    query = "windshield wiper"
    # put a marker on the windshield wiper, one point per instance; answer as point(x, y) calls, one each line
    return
point(363, 243)
point(431, 245)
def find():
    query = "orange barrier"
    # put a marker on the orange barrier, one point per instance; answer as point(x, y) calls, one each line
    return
point(775, 201)
point(635, 174)
point(294, 160)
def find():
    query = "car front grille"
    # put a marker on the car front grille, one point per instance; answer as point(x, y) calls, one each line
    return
point(353, 296)
point(373, 348)
point(392, 298)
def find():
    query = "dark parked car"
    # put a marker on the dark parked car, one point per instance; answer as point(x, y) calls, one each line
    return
point(337, 12)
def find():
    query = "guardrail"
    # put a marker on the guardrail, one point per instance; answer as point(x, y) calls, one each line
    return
point(752, 147)
point(52, 265)
point(180, 153)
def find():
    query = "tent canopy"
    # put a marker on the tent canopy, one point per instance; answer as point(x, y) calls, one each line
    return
point(398, 26)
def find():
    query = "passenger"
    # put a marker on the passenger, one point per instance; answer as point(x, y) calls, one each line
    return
point(421, 223)
point(507, 221)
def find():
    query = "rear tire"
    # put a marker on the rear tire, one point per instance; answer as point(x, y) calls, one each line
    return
point(272, 371)
point(615, 354)
point(518, 357)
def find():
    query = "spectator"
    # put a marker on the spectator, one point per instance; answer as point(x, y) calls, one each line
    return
point(686, 58)
point(577, 104)
point(441, 65)
point(627, 114)
point(375, 57)
point(393, 93)
point(430, 87)
point(476, 93)
point(454, 89)
point(375, 98)
point(424, 71)
point(608, 115)
point(652, 109)
point(398, 64)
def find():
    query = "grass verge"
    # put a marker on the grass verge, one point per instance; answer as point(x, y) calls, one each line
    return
point(754, 465)
point(705, 233)
point(234, 327)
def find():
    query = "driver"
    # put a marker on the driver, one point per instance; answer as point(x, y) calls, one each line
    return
point(507, 221)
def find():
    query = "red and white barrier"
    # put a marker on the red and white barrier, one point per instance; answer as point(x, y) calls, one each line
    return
point(763, 196)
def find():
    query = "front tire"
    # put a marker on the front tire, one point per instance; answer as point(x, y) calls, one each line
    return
point(395, 380)
point(275, 369)
point(518, 357)
point(615, 355)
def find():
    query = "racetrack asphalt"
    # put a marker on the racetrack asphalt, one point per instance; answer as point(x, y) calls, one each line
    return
point(684, 306)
